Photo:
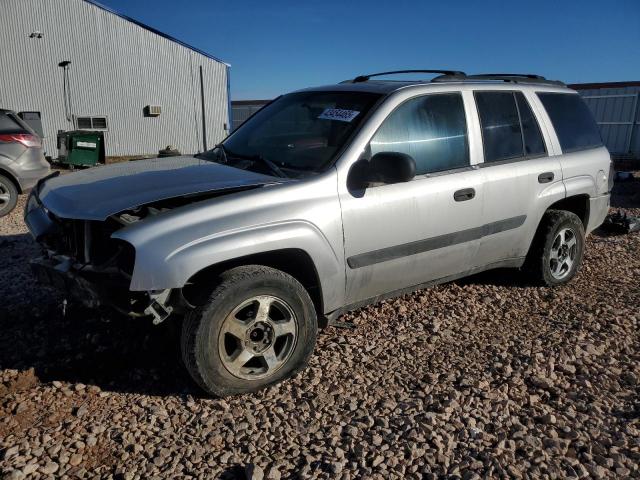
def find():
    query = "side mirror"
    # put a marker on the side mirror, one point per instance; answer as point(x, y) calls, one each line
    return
point(391, 167)
point(383, 168)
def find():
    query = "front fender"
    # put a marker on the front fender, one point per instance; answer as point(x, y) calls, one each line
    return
point(174, 246)
point(156, 269)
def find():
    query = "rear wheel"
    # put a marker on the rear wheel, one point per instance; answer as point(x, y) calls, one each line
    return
point(257, 328)
point(8, 196)
point(557, 252)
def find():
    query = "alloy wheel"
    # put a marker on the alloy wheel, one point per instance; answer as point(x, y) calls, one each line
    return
point(258, 337)
point(563, 253)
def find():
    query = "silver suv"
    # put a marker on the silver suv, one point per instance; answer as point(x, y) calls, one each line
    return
point(325, 200)
point(22, 161)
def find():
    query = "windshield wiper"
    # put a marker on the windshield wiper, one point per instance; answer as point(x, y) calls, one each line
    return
point(208, 155)
point(258, 158)
point(272, 166)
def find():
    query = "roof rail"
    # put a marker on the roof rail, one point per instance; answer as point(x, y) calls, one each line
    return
point(503, 77)
point(364, 78)
point(525, 75)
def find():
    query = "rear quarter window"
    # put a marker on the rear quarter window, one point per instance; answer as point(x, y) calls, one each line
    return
point(572, 120)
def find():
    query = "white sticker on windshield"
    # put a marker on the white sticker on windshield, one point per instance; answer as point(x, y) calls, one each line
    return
point(339, 114)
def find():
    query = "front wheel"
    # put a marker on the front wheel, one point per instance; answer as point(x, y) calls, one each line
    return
point(257, 328)
point(557, 251)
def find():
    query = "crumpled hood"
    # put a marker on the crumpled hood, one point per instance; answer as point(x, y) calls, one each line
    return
point(97, 193)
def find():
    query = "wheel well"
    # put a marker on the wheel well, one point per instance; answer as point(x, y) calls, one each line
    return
point(578, 204)
point(293, 261)
point(9, 175)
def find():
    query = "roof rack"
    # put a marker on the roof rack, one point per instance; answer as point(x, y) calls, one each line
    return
point(364, 78)
point(458, 76)
point(501, 77)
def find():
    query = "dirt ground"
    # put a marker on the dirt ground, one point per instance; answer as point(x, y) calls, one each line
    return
point(487, 377)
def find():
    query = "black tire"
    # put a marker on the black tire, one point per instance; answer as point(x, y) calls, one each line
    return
point(7, 188)
point(540, 263)
point(203, 326)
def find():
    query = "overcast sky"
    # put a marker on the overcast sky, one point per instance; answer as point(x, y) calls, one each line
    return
point(277, 46)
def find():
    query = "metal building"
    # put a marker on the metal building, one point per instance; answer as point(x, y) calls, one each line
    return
point(616, 107)
point(243, 109)
point(84, 66)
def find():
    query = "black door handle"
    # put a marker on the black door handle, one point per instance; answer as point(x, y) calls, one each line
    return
point(545, 177)
point(464, 194)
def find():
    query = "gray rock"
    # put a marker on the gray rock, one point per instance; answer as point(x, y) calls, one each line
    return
point(541, 382)
point(13, 475)
point(81, 411)
point(30, 468)
point(548, 419)
point(49, 468)
point(10, 452)
point(274, 473)
point(253, 472)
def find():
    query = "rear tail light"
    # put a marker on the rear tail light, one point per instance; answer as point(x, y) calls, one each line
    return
point(25, 139)
point(612, 176)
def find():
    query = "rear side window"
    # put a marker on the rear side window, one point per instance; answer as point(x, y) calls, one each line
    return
point(10, 124)
point(572, 121)
point(509, 128)
point(431, 128)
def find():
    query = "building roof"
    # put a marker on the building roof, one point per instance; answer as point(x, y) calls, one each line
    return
point(588, 86)
point(153, 30)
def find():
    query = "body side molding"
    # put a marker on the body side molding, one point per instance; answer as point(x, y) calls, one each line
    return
point(433, 243)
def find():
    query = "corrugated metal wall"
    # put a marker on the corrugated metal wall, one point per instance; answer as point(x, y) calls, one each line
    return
point(243, 109)
point(617, 111)
point(117, 68)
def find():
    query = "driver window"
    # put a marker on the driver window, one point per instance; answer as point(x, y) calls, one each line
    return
point(431, 128)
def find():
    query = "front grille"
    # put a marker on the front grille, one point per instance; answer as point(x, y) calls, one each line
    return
point(87, 241)
point(101, 267)
point(64, 239)
point(74, 239)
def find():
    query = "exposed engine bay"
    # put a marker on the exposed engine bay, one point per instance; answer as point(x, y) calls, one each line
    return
point(81, 257)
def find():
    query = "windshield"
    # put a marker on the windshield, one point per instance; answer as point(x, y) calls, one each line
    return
point(300, 131)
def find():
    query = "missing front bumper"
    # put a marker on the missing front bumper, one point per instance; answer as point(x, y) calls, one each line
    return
point(92, 289)
point(59, 275)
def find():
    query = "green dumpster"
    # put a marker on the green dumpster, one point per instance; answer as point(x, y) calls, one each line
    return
point(80, 148)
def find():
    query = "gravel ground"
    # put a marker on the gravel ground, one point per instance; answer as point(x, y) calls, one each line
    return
point(484, 378)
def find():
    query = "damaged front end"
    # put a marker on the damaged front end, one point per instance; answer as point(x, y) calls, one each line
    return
point(75, 218)
point(80, 258)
